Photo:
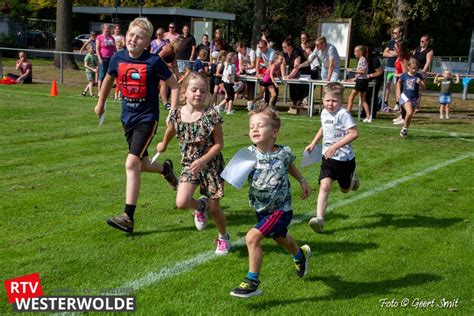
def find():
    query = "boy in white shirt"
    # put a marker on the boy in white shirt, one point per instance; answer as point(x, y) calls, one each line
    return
point(337, 132)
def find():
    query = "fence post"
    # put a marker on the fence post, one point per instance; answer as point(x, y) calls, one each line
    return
point(61, 68)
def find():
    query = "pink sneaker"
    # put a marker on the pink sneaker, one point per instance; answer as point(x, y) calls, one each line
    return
point(200, 218)
point(223, 247)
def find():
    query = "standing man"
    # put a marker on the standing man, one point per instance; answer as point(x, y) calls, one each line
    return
point(186, 50)
point(105, 48)
point(171, 34)
point(205, 44)
point(390, 55)
point(331, 62)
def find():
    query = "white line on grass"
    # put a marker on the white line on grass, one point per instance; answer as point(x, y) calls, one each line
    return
point(454, 134)
point(187, 265)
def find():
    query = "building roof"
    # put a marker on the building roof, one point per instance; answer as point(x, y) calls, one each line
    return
point(155, 11)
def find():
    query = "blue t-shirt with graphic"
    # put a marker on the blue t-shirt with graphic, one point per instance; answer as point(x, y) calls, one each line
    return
point(410, 87)
point(138, 79)
point(269, 184)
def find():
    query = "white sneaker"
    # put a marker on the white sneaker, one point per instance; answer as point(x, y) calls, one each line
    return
point(399, 121)
point(396, 108)
point(441, 117)
point(223, 246)
point(230, 112)
point(368, 120)
point(316, 224)
point(218, 109)
point(201, 218)
point(250, 106)
point(447, 117)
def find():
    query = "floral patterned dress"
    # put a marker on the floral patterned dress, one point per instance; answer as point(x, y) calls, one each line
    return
point(195, 139)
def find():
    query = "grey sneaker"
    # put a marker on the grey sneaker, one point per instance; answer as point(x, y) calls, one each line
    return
point(355, 182)
point(316, 224)
point(170, 177)
point(302, 265)
point(122, 222)
point(246, 289)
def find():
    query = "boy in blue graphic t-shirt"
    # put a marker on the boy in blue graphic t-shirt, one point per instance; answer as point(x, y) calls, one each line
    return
point(138, 73)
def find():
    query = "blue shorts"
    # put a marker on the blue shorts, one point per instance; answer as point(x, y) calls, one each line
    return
point(274, 224)
point(404, 99)
point(103, 68)
point(444, 98)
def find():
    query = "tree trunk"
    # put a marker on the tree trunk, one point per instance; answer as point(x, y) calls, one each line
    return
point(260, 7)
point(64, 35)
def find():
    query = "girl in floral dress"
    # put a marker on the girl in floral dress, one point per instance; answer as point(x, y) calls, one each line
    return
point(199, 132)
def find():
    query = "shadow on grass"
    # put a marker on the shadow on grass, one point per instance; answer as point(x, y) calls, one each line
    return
point(402, 221)
point(319, 248)
point(342, 290)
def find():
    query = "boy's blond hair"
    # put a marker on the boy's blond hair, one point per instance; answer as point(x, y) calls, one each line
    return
point(273, 116)
point(334, 88)
point(144, 24)
point(412, 62)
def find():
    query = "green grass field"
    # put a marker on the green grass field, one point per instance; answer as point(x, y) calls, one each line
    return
point(406, 234)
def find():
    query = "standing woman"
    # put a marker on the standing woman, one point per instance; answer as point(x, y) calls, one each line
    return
point(293, 59)
point(424, 54)
point(116, 34)
point(401, 67)
point(105, 48)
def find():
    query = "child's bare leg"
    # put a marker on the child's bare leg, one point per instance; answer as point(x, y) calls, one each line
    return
point(350, 100)
point(214, 207)
point(132, 170)
point(273, 96)
point(447, 110)
point(324, 190)
point(253, 240)
point(90, 85)
point(409, 109)
point(289, 244)
point(163, 92)
point(365, 105)
point(184, 197)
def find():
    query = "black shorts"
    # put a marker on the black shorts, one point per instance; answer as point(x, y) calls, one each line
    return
point(338, 170)
point(264, 84)
point(139, 137)
point(229, 89)
point(362, 85)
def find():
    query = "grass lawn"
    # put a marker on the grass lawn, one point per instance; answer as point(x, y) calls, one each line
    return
point(406, 234)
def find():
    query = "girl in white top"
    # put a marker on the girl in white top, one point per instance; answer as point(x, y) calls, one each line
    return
point(228, 78)
point(362, 81)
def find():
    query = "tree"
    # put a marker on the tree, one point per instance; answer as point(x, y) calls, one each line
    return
point(64, 34)
point(259, 9)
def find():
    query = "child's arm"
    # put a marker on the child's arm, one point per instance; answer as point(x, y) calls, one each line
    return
point(295, 173)
point(174, 86)
point(436, 78)
point(399, 89)
point(457, 79)
point(104, 92)
point(218, 138)
point(351, 135)
point(167, 137)
point(316, 139)
point(421, 82)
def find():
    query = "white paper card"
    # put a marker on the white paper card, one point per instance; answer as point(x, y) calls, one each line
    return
point(154, 158)
point(239, 167)
point(312, 157)
point(102, 116)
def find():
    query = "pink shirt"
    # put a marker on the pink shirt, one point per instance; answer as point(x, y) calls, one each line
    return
point(106, 46)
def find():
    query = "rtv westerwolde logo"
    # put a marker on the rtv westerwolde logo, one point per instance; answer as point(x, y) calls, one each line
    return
point(26, 295)
point(24, 287)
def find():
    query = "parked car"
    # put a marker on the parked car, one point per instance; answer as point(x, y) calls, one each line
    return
point(37, 39)
point(83, 38)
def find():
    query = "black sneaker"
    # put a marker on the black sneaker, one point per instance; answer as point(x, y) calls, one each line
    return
point(122, 222)
point(302, 265)
point(83, 93)
point(170, 177)
point(247, 288)
point(404, 133)
point(167, 106)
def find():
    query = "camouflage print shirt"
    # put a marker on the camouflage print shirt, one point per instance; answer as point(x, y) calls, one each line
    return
point(269, 184)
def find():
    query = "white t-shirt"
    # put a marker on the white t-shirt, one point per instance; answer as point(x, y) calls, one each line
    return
point(228, 75)
point(266, 58)
point(329, 53)
point(314, 59)
point(246, 60)
point(335, 126)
